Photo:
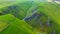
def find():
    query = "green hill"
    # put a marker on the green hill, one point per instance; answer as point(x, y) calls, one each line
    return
point(30, 18)
point(15, 26)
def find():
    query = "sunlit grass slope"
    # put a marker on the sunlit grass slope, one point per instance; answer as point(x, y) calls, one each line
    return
point(15, 26)
point(15, 14)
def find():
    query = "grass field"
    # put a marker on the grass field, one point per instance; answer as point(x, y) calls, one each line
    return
point(29, 17)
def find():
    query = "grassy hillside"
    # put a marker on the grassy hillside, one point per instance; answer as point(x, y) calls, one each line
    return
point(19, 10)
point(15, 26)
point(30, 18)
